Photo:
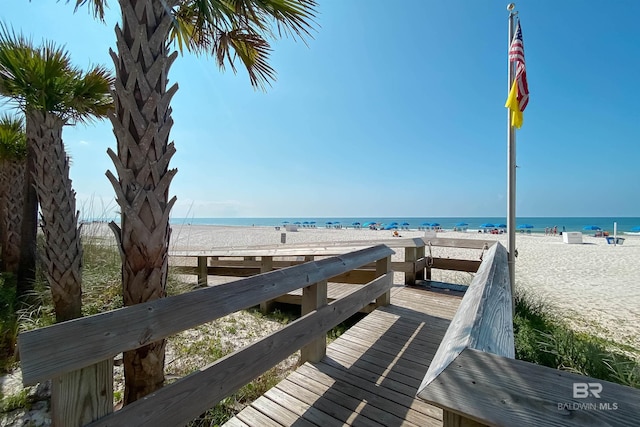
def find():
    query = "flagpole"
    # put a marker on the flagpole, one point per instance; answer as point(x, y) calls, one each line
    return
point(511, 170)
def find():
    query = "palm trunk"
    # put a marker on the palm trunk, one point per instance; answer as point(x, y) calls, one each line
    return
point(62, 255)
point(11, 205)
point(142, 121)
point(29, 227)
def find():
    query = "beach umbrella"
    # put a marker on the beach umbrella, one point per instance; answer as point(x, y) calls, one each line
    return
point(367, 224)
point(328, 223)
point(405, 224)
point(297, 223)
point(591, 227)
point(525, 226)
point(355, 223)
point(487, 225)
point(636, 228)
point(393, 223)
point(501, 225)
point(285, 222)
point(434, 224)
point(312, 222)
point(424, 224)
point(461, 224)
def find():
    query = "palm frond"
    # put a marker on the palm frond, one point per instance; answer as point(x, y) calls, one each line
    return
point(44, 79)
point(240, 29)
point(13, 141)
point(251, 49)
point(96, 7)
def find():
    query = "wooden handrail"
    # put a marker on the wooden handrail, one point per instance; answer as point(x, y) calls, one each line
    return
point(475, 379)
point(483, 322)
point(183, 400)
point(68, 346)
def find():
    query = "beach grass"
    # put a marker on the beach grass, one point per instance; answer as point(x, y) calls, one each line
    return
point(543, 338)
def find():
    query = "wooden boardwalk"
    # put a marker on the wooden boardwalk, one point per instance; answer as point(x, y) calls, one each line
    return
point(370, 374)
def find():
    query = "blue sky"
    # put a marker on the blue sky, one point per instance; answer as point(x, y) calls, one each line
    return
point(393, 109)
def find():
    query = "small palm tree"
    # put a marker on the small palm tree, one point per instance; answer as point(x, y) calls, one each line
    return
point(13, 153)
point(52, 93)
point(226, 29)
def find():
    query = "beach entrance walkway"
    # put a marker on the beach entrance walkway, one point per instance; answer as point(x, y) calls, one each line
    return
point(370, 375)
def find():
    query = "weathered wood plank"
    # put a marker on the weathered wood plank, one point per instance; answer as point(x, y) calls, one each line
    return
point(467, 265)
point(396, 405)
point(313, 298)
point(483, 320)
point(278, 413)
point(301, 409)
point(54, 350)
point(82, 396)
point(508, 392)
point(335, 403)
point(252, 417)
point(193, 394)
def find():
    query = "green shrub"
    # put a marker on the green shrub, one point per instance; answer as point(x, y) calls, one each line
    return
point(546, 340)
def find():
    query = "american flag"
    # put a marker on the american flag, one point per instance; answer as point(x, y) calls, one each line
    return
point(516, 54)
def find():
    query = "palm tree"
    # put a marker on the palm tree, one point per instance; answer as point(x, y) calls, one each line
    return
point(52, 93)
point(13, 152)
point(226, 29)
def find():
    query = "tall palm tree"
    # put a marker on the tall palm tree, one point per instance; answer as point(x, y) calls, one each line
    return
point(226, 29)
point(52, 93)
point(13, 153)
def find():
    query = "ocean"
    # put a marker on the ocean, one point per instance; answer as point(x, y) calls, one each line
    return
point(447, 223)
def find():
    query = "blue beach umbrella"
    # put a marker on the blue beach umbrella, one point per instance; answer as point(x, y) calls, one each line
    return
point(461, 224)
point(525, 226)
point(434, 224)
point(367, 224)
point(297, 223)
point(285, 222)
point(405, 224)
point(591, 227)
point(636, 228)
point(501, 225)
point(425, 224)
point(487, 225)
point(355, 223)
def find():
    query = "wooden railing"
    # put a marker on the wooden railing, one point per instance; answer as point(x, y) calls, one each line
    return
point(419, 258)
point(475, 379)
point(78, 354)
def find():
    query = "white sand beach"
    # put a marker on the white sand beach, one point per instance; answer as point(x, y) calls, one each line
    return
point(594, 285)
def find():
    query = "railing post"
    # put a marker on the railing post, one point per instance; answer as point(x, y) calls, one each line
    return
point(266, 265)
point(203, 271)
point(383, 266)
point(82, 396)
point(420, 252)
point(410, 257)
point(314, 297)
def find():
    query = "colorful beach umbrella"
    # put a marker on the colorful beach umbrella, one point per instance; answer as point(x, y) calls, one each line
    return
point(591, 227)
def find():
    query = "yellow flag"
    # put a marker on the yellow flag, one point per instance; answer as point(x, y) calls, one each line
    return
point(513, 105)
